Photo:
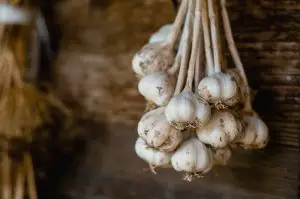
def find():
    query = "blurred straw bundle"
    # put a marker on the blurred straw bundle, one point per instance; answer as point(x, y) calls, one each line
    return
point(24, 108)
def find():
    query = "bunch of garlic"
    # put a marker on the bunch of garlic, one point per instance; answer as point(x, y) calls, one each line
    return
point(195, 115)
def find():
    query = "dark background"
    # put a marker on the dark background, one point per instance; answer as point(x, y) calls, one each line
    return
point(96, 40)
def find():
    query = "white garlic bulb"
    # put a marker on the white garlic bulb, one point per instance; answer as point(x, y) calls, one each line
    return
point(256, 133)
point(153, 57)
point(162, 34)
point(157, 87)
point(157, 132)
point(187, 110)
point(154, 157)
point(192, 157)
point(222, 129)
point(10, 14)
point(219, 89)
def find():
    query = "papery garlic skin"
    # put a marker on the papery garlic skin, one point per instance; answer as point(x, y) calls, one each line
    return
point(233, 73)
point(213, 136)
point(256, 133)
point(222, 155)
point(157, 87)
point(222, 129)
point(192, 157)
point(187, 110)
point(219, 88)
point(152, 156)
point(153, 57)
point(157, 132)
point(162, 34)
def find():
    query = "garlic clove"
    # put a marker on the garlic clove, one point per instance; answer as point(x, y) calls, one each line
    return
point(213, 136)
point(209, 89)
point(229, 89)
point(247, 139)
point(262, 135)
point(230, 125)
point(153, 57)
point(157, 87)
point(256, 133)
point(222, 129)
point(192, 157)
point(233, 73)
point(154, 157)
point(157, 132)
point(162, 34)
point(184, 110)
point(260, 129)
point(203, 112)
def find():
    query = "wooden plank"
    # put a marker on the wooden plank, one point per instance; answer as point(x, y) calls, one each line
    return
point(113, 170)
point(94, 69)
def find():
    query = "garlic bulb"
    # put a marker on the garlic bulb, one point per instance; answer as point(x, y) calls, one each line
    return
point(192, 157)
point(256, 133)
point(220, 89)
point(162, 34)
point(153, 57)
point(157, 132)
point(187, 110)
point(157, 87)
point(10, 14)
point(159, 56)
point(222, 129)
point(154, 157)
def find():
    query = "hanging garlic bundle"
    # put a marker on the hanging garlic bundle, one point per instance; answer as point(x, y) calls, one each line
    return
point(24, 108)
point(195, 114)
point(254, 126)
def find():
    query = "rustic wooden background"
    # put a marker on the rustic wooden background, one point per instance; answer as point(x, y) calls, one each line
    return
point(93, 74)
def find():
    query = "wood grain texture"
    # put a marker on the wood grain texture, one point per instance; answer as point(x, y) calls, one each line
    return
point(94, 74)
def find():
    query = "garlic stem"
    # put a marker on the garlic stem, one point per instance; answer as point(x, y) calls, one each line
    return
point(214, 35)
point(176, 27)
point(197, 71)
point(208, 53)
point(177, 62)
point(30, 176)
point(235, 55)
point(200, 69)
point(186, 44)
point(195, 45)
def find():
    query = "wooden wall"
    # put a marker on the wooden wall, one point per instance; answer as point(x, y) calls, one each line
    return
point(94, 75)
